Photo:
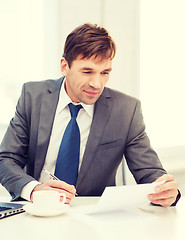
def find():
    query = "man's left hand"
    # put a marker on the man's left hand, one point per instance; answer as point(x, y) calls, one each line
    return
point(165, 194)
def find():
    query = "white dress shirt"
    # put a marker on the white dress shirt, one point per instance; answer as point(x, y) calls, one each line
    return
point(62, 117)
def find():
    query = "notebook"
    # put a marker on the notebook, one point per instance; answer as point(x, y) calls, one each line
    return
point(9, 209)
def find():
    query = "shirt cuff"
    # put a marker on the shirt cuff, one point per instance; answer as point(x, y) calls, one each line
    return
point(28, 188)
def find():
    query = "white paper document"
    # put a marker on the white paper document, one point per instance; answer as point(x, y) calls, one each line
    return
point(124, 197)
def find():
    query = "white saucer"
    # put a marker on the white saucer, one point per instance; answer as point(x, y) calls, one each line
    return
point(33, 210)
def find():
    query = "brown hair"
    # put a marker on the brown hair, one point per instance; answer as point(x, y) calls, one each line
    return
point(89, 40)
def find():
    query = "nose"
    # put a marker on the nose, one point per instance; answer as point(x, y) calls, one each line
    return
point(95, 82)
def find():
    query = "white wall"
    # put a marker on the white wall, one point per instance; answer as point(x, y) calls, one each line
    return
point(162, 75)
point(162, 80)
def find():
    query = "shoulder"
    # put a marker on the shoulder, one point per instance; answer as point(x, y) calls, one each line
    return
point(39, 87)
point(120, 98)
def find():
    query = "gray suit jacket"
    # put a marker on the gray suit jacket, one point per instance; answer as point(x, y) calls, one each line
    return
point(117, 130)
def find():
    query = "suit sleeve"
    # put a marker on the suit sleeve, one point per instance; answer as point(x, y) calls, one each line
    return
point(142, 160)
point(13, 152)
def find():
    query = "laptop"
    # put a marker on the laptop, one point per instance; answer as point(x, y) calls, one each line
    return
point(9, 209)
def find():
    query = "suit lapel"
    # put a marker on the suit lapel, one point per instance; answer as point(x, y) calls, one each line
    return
point(101, 115)
point(47, 114)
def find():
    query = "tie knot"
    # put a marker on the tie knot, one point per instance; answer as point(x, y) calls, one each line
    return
point(74, 109)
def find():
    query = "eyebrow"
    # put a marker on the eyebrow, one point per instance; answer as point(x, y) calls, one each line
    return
point(90, 69)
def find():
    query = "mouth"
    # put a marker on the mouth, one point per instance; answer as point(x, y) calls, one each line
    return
point(91, 93)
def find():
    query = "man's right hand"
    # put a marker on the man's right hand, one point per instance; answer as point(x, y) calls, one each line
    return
point(59, 186)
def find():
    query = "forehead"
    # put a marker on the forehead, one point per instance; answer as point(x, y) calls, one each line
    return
point(92, 62)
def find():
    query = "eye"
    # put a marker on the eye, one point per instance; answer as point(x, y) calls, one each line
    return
point(87, 72)
point(105, 73)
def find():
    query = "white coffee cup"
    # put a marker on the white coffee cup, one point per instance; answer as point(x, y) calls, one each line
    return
point(48, 200)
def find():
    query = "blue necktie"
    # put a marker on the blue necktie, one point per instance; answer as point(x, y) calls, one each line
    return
point(68, 156)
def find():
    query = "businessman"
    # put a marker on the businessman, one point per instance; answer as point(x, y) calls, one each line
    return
point(79, 130)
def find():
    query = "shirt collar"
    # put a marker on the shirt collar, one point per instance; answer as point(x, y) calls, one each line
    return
point(64, 100)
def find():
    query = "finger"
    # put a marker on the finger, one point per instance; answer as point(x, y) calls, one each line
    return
point(166, 198)
point(68, 200)
point(62, 185)
point(164, 202)
point(163, 195)
point(39, 187)
point(166, 186)
point(69, 196)
point(166, 177)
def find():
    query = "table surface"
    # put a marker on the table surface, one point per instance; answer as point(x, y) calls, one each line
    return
point(148, 222)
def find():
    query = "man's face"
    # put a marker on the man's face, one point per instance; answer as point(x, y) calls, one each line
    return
point(86, 78)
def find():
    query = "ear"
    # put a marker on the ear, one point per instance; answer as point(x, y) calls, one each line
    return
point(64, 66)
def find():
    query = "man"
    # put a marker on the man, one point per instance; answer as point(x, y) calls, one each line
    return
point(110, 124)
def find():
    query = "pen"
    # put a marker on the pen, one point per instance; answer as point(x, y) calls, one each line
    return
point(54, 177)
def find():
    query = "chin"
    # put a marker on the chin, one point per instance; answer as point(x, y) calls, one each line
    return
point(89, 102)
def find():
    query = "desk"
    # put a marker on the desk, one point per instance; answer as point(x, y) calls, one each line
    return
point(156, 223)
